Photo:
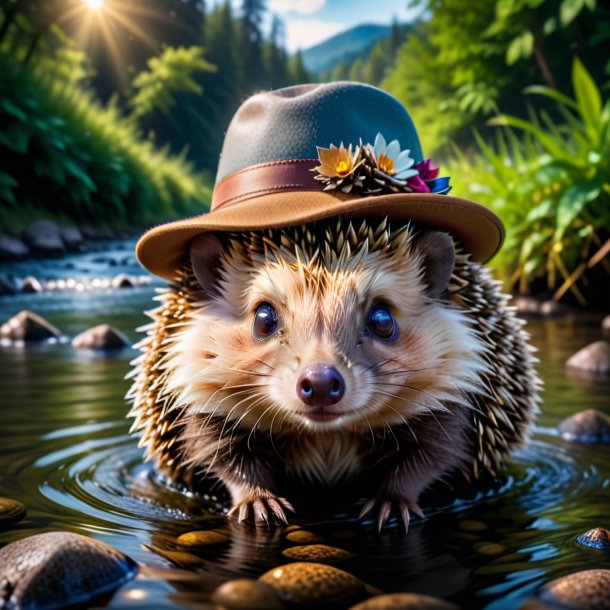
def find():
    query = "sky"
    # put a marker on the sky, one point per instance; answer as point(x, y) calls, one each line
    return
point(309, 22)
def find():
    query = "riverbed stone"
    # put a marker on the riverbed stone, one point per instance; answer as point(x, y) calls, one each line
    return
point(586, 590)
point(123, 281)
point(312, 583)
point(594, 358)
point(404, 601)
point(606, 323)
point(12, 248)
point(202, 538)
point(527, 305)
point(551, 309)
point(58, 569)
point(246, 594)
point(102, 337)
point(596, 538)
point(44, 238)
point(72, 238)
point(31, 285)
point(304, 537)
point(589, 426)
point(28, 326)
point(11, 511)
point(321, 553)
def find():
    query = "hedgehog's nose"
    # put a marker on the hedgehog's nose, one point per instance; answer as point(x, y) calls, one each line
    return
point(320, 385)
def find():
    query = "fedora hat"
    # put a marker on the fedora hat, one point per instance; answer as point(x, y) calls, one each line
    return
point(312, 152)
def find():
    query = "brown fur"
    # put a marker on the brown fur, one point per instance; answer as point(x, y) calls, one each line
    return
point(455, 392)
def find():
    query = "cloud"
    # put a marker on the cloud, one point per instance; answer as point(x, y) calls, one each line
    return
point(305, 33)
point(303, 7)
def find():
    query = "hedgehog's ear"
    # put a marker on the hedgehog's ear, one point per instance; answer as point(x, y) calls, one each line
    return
point(206, 250)
point(438, 254)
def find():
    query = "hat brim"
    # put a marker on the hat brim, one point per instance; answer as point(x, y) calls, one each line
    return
point(163, 249)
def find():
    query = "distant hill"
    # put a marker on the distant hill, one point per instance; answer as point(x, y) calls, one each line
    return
point(343, 46)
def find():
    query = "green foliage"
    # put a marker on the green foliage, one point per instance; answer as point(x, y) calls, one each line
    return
point(62, 151)
point(171, 72)
point(466, 59)
point(552, 188)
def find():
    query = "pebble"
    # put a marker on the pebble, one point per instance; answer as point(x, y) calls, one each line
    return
point(304, 537)
point(59, 569)
point(587, 590)
point(404, 601)
point(589, 426)
point(123, 281)
point(11, 511)
point(489, 548)
point(102, 337)
point(245, 594)
point(470, 525)
point(31, 285)
point(27, 326)
point(312, 583)
point(202, 538)
point(596, 538)
point(594, 358)
point(321, 553)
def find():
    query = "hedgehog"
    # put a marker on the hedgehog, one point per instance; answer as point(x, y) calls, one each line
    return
point(371, 359)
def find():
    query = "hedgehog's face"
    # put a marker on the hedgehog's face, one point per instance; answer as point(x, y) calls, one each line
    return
point(321, 342)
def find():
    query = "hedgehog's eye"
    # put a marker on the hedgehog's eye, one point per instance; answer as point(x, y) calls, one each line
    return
point(381, 321)
point(265, 321)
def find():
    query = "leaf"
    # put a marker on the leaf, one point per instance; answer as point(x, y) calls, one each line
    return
point(589, 100)
point(554, 94)
point(14, 110)
point(520, 47)
point(6, 180)
point(572, 204)
point(569, 10)
point(542, 210)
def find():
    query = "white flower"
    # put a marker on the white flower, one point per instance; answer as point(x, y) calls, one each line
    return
point(392, 161)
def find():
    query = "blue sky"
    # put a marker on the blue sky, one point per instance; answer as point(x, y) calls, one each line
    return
point(311, 21)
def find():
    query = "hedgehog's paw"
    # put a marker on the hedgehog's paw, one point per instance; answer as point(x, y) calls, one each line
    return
point(386, 506)
point(261, 507)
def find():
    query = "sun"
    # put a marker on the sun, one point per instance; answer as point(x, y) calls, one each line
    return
point(96, 5)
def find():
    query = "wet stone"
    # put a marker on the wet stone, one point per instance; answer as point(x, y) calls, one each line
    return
point(470, 525)
point(102, 337)
point(489, 548)
point(12, 248)
point(31, 285)
point(312, 583)
point(202, 538)
point(43, 237)
point(27, 326)
point(606, 323)
point(71, 237)
point(11, 511)
point(58, 569)
point(123, 281)
point(244, 594)
point(304, 537)
point(550, 309)
point(587, 590)
point(321, 553)
point(596, 538)
point(527, 305)
point(404, 601)
point(594, 358)
point(589, 426)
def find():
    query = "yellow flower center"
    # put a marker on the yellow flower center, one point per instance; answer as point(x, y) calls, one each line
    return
point(343, 168)
point(386, 165)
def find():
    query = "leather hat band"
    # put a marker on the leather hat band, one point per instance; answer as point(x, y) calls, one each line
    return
point(264, 179)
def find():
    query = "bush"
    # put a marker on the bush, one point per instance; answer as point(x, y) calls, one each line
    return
point(552, 189)
point(65, 154)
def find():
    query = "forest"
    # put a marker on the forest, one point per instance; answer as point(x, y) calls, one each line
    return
point(510, 96)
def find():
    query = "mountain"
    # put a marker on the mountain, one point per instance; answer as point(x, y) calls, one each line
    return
point(343, 46)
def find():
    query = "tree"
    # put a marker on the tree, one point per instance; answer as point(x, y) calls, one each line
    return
point(296, 68)
point(252, 43)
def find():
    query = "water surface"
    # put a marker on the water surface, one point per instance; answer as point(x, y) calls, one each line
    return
point(65, 451)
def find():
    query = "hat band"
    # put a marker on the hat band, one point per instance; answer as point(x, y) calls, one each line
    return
point(264, 179)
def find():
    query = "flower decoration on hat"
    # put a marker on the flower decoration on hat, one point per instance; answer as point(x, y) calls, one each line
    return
point(377, 168)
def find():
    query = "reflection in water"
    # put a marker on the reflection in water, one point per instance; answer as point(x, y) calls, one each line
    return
point(66, 453)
